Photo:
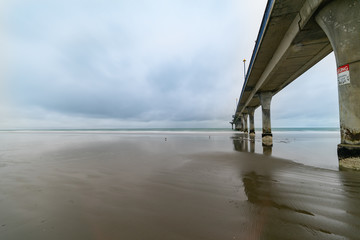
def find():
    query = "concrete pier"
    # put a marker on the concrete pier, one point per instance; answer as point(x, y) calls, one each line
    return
point(245, 123)
point(340, 20)
point(293, 37)
point(251, 111)
point(265, 99)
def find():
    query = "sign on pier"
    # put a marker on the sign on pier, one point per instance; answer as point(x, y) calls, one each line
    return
point(343, 73)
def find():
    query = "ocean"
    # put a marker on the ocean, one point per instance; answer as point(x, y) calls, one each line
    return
point(175, 184)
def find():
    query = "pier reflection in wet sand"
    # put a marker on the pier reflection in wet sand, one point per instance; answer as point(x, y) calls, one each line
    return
point(242, 141)
point(302, 203)
point(293, 201)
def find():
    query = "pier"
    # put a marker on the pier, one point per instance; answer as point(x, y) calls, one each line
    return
point(293, 37)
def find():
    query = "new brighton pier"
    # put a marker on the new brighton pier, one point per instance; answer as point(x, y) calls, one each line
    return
point(294, 36)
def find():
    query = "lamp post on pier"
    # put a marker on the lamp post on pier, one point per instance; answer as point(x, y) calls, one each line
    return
point(244, 70)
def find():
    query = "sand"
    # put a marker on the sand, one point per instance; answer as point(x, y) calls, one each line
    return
point(188, 186)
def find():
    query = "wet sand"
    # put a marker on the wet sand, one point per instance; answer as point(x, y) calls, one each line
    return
point(187, 186)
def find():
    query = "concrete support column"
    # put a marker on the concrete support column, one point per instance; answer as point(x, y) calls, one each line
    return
point(241, 123)
point(340, 20)
point(238, 125)
point(245, 124)
point(251, 111)
point(265, 100)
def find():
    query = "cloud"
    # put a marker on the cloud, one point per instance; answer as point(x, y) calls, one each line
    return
point(153, 63)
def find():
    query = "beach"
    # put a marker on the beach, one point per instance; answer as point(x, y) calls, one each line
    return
point(174, 185)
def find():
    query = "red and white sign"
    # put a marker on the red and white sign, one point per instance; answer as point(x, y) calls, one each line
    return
point(343, 73)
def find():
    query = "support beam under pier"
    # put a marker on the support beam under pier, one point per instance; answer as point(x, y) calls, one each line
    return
point(265, 100)
point(340, 20)
point(251, 111)
point(245, 123)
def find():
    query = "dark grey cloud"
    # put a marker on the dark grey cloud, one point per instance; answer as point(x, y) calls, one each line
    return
point(175, 90)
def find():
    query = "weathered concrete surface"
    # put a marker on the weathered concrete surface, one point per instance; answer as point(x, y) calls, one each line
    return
point(349, 156)
point(265, 99)
point(251, 111)
point(245, 123)
point(340, 20)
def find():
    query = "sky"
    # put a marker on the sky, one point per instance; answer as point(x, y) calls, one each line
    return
point(142, 64)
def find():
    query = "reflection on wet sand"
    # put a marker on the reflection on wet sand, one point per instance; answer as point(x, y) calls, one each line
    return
point(267, 150)
point(291, 201)
point(252, 143)
point(263, 197)
point(303, 204)
point(242, 141)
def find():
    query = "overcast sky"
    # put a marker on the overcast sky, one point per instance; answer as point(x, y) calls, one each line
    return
point(141, 63)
